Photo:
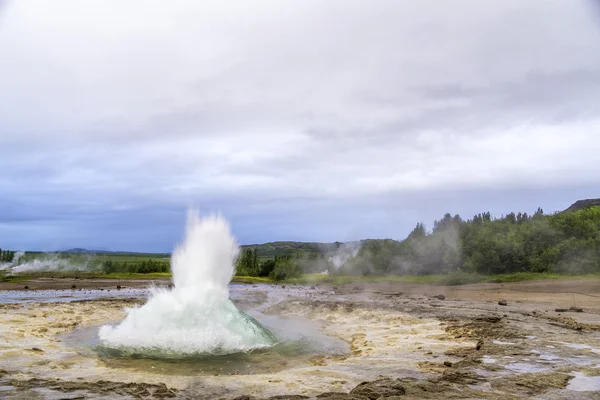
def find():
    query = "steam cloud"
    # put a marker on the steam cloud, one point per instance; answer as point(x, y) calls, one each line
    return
point(47, 262)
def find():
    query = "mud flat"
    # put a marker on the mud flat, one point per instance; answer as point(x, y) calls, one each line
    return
point(357, 341)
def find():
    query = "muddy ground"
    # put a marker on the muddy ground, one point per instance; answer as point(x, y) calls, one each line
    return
point(404, 341)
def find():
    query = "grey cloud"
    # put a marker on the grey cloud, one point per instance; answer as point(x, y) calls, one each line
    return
point(337, 114)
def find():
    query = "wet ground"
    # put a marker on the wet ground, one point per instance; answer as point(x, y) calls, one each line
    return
point(357, 341)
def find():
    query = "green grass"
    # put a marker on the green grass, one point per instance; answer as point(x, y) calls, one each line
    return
point(310, 279)
point(132, 275)
point(251, 279)
point(529, 276)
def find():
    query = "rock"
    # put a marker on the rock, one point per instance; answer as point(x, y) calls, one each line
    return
point(561, 309)
point(576, 309)
point(533, 384)
point(440, 297)
point(490, 318)
point(340, 396)
point(283, 286)
point(379, 388)
point(502, 303)
point(447, 364)
point(26, 287)
point(460, 377)
point(245, 398)
point(37, 349)
point(289, 397)
point(73, 287)
point(118, 287)
point(479, 344)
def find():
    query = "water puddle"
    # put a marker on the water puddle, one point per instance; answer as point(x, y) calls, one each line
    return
point(498, 342)
point(524, 368)
point(580, 346)
point(66, 295)
point(584, 383)
point(488, 360)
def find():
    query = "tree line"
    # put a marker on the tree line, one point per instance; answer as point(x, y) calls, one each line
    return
point(6, 256)
point(277, 268)
point(566, 242)
point(140, 267)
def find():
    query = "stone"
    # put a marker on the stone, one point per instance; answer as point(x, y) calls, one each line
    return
point(502, 303)
point(379, 388)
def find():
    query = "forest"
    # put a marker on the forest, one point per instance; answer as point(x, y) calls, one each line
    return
point(566, 242)
point(6, 256)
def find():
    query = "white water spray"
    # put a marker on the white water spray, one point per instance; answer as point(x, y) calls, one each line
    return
point(196, 316)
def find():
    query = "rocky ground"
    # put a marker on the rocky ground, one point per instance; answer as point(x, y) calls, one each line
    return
point(404, 342)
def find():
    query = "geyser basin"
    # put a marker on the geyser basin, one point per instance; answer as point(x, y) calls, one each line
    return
point(299, 342)
point(196, 317)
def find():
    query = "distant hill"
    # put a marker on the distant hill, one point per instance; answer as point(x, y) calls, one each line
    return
point(580, 204)
point(85, 251)
point(264, 250)
point(273, 249)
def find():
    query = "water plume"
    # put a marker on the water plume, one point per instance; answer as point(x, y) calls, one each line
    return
point(196, 316)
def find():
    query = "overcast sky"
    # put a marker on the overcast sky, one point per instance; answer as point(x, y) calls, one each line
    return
point(298, 120)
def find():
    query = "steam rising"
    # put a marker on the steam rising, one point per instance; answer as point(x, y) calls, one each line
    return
point(48, 262)
point(346, 252)
point(196, 316)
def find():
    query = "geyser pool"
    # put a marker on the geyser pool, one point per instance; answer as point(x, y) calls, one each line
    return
point(196, 316)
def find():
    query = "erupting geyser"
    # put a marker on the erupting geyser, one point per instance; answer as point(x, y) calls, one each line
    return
point(196, 316)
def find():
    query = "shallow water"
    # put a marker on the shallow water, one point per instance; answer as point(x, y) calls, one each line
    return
point(66, 295)
point(584, 383)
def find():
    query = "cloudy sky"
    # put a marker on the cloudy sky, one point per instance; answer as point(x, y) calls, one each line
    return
point(298, 120)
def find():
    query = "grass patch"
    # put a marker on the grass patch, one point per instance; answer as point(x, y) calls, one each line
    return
point(134, 275)
point(251, 279)
point(531, 276)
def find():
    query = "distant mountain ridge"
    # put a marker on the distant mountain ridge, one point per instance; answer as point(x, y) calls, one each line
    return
point(80, 250)
point(580, 204)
